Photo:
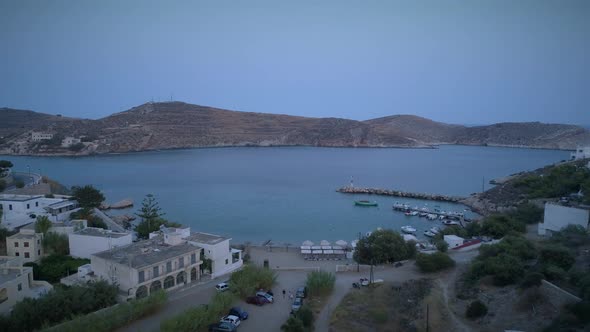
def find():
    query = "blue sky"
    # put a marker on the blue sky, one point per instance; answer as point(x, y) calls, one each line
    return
point(454, 61)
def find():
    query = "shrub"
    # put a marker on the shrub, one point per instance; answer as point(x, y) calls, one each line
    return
point(476, 309)
point(498, 226)
point(557, 255)
point(320, 283)
point(505, 268)
point(554, 272)
point(56, 243)
point(532, 279)
point(2, 185)
point(306, 316)
point(434, 262)
point(383, 246)
point(293, 324)
point(442, 246)
point(250, 279)
point(19, 184)
point(528, 213)
point(76, 147)
point(54, 267)
point(379, 316)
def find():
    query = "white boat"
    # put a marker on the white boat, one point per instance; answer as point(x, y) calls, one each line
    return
point(435, 230)
point(431, 216)
point(450, 222)
point(429, 233)
point(414, 213)
point(408, 229)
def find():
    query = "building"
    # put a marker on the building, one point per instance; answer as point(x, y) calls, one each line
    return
point(68, 226)
point(581, 153)
point(26, 244)
point(91, 240)
point(147, 266)
point(38, 136)
point(20, 210)
point(557, 217)
point(224, 259)
point(69, 141)
point(453, 241)
point(16, 283)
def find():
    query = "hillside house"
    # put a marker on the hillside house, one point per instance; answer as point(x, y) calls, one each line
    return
point(556, 217)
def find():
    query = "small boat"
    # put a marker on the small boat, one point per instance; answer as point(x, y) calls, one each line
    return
point(414, 213)
point(408, 229)
point(408, 213)
point(435, 230)
point(431, 216)
point(450, 222)
point(429, 233)
point(423, 214)
point(365, 203)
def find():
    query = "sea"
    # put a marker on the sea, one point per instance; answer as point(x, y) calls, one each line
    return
point(287, 195)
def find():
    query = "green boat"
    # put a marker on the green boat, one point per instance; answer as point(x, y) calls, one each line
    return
point(365, 203)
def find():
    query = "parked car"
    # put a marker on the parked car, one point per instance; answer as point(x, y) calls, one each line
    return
point(237, 311)
point(235, 320)
point(296, 304)
point(258, 300)
point(222, 287)
point(266, 296)
point(301, 292)
point(222, 327)
point(364, 281)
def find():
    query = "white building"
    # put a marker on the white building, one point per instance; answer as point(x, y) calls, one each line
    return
point(68, 226)
point(22, 209)
point(91, 240)
point(16, 283)
point(453, 241)
point(147, 266)
point(224, 259)
point(26, 244)
point(557, 217)
point(69, 141)
point(38, 136)
point(581, 153)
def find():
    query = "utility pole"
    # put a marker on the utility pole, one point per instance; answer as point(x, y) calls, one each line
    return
point(427, 312)
point(358, 267)
point(483, 179)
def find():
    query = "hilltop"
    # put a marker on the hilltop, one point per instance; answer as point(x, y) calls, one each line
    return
point(169, 125)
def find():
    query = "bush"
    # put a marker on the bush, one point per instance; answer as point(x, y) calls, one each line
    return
point(528, 213)
point(293, 324)
point(434, 262)
point(114, 317)
point(557, 255)
point(320, 283)
point(505, 268)
point(19, 184)
point(56, 244)
point(379, 316)
point(251, 278)
point(532, 279)
point(554, 272)
point(498, 226)
point(383, 246)
point(476, 309)
point(306, 316)
point(442, 246)
point(54, 267)
point(2, 185)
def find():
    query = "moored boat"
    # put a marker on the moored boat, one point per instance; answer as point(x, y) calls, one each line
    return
point(365, 203)
point(435, 230)
point(408, 229)
point(450, 222)
point(429, 233)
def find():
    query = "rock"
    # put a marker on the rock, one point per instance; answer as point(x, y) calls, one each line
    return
point(104, 206)
point(122, 204)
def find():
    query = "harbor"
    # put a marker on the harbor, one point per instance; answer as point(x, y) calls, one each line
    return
point(399, 193)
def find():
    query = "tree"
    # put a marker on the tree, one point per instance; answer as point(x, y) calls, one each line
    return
point(207, 263)
point(151, 217)
point(56, 243)
point(557, 255)
point(2, 185)
point(42, 225)
point(383, 246)
point(293, 324)
point(19, 184)
point(476, 309)
point(442, 246)
point(434, 262)
point(88, 196)
point(5, 165)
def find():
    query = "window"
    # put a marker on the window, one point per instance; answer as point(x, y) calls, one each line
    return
point(181, 262)
point(17, 254)
point(36, 203)
point(169, 266)
point(10, 207)
point(39, 252)
point(20, 287)
point(16, 244)
point(28, 206)
point(141, 276)
point(27, 255)
point(26, 244)
point(193, 258)
point(156, 271)
point(38, 241)
point(226, 261)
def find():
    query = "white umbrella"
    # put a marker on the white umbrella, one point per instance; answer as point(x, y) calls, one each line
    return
point(305, 247)
point(307, 243)
point(324, 243)
point(341, 243)
point(316, 251)
point(337, 247)
point(326, 247)
point(316, 247)
point(306, 251)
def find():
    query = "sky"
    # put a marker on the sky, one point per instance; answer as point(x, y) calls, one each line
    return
point(467, 62)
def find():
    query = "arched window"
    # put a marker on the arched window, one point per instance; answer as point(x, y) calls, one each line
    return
point(193, 274)
point(180, 278)
point(156, 285)
point(141, 292)
point(168, 282)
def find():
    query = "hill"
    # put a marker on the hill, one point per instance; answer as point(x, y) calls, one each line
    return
point(154, 126)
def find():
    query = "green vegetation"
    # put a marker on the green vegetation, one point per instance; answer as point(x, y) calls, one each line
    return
point(383, 246)
point(251, 278)
point(558, 255)
point(498, 226)
point(58, 305)
point(151, 217)
point(19, 184)
point(574, 318)
point(532, 279)
point(320, 283)
point(561, 181)
point(76, 147)
point(88, 196)
point(199, 318)
point(528, 213)
point(54, 267)
point(476, 309)
point(114, 317)
point(56, 244)
point(5, 166)
point(2, 185)
point(434, 262)
point(301, 321)
point(88, 215)
point(42, 225)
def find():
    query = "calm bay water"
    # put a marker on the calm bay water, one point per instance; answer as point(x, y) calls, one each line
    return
point(288, 194)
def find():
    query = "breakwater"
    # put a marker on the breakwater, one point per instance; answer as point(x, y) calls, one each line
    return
point(399, 193)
